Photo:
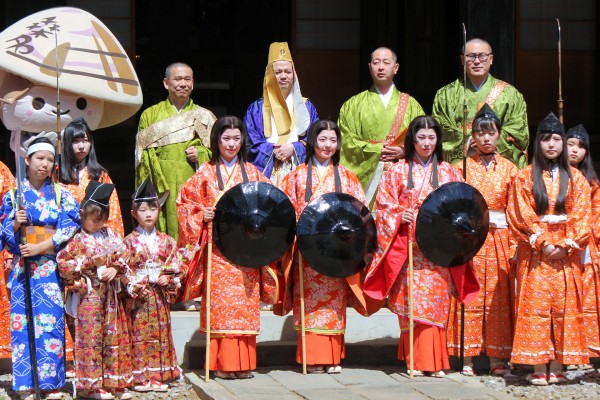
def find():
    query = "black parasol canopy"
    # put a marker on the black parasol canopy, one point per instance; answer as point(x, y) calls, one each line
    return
point(336, 235)
point(254, 224)
point(452, 224)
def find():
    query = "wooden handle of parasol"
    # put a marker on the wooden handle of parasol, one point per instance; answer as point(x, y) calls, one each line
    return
point(302, 319)
point(207, 301)
point(411, 305)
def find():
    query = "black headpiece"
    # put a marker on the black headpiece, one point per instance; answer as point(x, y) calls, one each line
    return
point(578, 132)
point(551, 124)
point(98, 193)
point(487, 112)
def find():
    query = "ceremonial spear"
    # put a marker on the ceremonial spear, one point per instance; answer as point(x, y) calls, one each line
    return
point(560, 98)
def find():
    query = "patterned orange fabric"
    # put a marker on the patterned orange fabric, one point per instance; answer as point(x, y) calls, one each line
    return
point(591, 280)
point(7, 182)
point(549, 322)
point(235, 291)
point(325, 298)
point(488, 318)
point(432, 283)
point(115, 218)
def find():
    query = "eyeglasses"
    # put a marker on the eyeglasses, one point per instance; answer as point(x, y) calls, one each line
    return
point(483, 57)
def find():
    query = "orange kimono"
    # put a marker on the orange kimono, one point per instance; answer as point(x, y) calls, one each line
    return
point(325, 298)
point(115, 219)
point(432, 283)
point(7, 182)
point(591, 279)
point(488, 318)
point(549, 318)
point(235, 291)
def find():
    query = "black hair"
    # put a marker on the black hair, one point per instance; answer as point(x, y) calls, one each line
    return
point(485, 124)
point(135, 206)
point(586, 166)
point(93, 210)
point(221, 125)
point(68, 174)
point(423, 122)
point(541, 164)
point(311, 138)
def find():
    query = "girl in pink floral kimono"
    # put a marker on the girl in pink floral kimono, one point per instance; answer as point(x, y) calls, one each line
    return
point(155, 278)
point(91, 266)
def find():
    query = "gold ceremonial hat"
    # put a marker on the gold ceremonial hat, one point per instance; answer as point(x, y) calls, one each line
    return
point(279, 51)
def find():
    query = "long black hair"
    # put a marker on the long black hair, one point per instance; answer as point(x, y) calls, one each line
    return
point(541, 164)
point(423, 122)
point(78, 128)
point(586, 166)
point(221, 125)
point(313, 133)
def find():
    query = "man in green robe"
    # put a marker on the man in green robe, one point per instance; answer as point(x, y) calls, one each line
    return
point(504, 99)
point(374, 123)
point(173, 139)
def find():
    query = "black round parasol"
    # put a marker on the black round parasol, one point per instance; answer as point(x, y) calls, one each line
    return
point(452, 224)
point(254, 224)
point(336, 235)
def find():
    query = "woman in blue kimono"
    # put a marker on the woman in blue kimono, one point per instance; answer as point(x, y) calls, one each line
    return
point(50, 213)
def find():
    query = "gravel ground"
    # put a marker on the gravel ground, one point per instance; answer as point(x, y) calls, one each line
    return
point(582, 385)
point(178, 390)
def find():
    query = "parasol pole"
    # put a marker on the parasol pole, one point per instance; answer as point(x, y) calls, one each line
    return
point(302, 317)
point(411, 322)
point(27, 269)
point(560, 98)
point(207, 300)
point(58, 112)
point(461, 361)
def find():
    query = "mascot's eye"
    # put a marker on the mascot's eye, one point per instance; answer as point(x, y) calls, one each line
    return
point(81, 103)
point(38, 103)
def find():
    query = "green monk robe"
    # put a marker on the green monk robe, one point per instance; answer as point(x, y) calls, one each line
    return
point(167, 166)
point(363, 118)
point(509, 106)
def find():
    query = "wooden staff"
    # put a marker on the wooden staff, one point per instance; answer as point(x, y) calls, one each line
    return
point(27, 270)
point(411, 320)
point(58, 112)
point(302, 317)
point(560, 98)
point(461, 360)
point(207, 301)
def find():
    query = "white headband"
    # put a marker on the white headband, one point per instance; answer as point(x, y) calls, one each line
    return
point(40, 146)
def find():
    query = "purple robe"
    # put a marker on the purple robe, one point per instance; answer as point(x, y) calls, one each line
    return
point(259, 150)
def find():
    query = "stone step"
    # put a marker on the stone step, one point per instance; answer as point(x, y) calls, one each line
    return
point(377, 334)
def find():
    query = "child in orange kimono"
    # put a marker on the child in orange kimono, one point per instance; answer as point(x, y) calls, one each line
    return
point(235, 291)
point(402, 190)
point(91, 266)
point(326, 298)
point(548, 214)
point(488, 319)
point(578, 144)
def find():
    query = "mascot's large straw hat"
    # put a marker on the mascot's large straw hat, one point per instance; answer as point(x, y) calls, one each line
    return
point(89, 59)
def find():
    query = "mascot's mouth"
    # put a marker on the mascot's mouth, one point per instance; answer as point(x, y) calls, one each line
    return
point(61, 112)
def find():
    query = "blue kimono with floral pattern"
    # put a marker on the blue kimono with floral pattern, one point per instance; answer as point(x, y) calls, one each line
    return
point(47, 293)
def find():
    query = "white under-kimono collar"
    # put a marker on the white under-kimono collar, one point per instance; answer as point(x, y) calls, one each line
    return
point(553, 171)
point(321, 167)
point(385, 98)
point(424, 163)
point(149, 238)
point(229, 165)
